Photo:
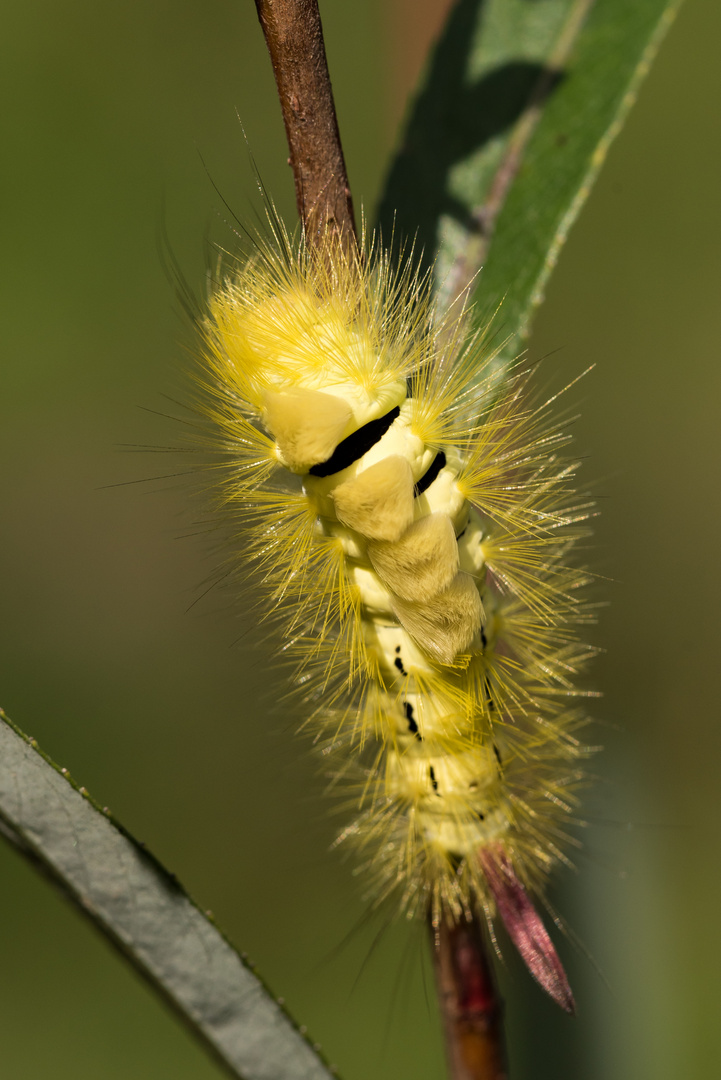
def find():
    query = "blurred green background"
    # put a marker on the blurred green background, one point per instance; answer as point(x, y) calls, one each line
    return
point(108, 110)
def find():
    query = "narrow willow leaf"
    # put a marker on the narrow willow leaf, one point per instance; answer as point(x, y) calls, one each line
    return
point(520, 103)
point(143, 910)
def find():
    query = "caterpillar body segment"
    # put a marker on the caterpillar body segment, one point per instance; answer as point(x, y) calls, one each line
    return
point(421, 573)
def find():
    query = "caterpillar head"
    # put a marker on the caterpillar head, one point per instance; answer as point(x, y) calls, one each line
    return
point(305, 364)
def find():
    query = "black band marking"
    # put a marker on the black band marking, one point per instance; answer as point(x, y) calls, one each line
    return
point(356, 445)
point(430, 474)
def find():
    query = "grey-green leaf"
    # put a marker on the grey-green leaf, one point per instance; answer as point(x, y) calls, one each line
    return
point(520, 102)
point(145, 912)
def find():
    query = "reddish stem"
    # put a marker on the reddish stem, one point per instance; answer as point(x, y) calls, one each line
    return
point(470, 1008)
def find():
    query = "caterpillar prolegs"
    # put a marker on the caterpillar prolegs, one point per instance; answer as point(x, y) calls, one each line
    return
point(421, 572)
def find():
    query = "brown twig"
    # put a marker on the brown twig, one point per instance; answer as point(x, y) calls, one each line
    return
point(294, 37)
point(470, 1008)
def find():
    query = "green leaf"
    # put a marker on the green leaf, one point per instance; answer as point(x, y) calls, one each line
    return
point(520, 103)
point(144, 911)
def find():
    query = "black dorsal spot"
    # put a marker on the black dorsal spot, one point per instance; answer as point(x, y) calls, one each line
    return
point(356, 445)
point(489, 695)
point(434, 782)
point(412, 725)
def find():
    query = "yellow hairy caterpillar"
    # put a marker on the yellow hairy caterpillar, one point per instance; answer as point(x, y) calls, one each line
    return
point(421, 568)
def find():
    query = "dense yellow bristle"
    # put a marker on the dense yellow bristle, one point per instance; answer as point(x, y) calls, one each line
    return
point(494, 654)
